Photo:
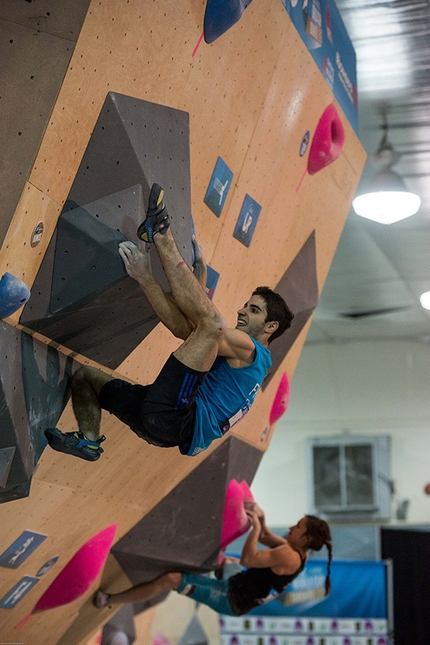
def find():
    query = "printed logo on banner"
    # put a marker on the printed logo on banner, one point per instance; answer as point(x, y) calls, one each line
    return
point(19, 551)
point(328, 71)
point(247, 221)
point(303, 631)
point(18, 592)
point(308, 587)
point(219, 186)
point(312, 20)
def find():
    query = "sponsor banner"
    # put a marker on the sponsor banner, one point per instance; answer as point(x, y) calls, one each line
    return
point(354, 613)
point(252, 639)
point(321, 28)
point(322, 626)
point(358, 590)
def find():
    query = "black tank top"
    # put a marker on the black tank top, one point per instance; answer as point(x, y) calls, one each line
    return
point(254, 587)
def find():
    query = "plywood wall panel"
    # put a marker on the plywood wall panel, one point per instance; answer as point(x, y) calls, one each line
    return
point(157, 470)
point(225, 96)
point(270, 174)
point(143, 52)
point(145, 363)
point(34, 54)
point(17, 255)
point(47, 512)
point(58, 19)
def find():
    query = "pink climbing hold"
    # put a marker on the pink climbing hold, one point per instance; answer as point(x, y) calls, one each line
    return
point(247, 495)
point(78, 575)
point(160, 640)
point(281, 400)
point(235, 520)
point(327, 142)
point(80, 572)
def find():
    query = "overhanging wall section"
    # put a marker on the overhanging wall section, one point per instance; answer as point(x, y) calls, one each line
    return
point(251, 97)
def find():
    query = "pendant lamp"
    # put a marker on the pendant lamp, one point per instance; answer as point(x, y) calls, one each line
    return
point(387, 198)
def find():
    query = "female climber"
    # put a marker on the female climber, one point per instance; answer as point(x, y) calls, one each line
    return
point(266, 572)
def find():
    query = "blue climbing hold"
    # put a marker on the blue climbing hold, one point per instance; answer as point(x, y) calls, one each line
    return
point(14, 293)
point(220, 15)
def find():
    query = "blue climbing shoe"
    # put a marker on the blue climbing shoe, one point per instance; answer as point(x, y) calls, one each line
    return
point(157, 218)
point(74, 443)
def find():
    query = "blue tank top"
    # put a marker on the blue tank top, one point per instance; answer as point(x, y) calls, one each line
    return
point(224, 397)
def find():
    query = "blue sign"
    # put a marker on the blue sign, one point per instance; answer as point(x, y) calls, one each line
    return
point(211, 281)
point(219, 186)
point(247, 221)
point(21, 549)
point(321, 28)
point(47, 566)
point(18, 592)
point(358, 590)
point(305, 143)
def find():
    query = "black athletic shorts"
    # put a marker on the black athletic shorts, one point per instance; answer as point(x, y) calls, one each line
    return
point(162, 413)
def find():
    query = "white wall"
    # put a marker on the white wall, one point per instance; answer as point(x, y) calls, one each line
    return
point(366, 387)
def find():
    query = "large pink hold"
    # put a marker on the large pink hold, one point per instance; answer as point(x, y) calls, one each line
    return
point(281, 400)
point(327, 141)
point(80, 572)
point(235, 520)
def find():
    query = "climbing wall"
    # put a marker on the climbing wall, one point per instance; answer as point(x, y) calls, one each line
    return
point(36, 45)
point(82, 295)
point(133, 106)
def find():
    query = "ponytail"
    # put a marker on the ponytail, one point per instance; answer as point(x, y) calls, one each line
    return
point(327, 578)
point(320, 535)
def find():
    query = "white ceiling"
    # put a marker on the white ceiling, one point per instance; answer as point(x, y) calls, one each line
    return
point(379, 272)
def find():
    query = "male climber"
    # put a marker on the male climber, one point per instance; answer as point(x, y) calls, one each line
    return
point(207, 384)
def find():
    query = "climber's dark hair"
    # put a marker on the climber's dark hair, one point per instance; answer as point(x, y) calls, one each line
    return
point(319, 533)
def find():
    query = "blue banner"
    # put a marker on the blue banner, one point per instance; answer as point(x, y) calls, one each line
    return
point(321, 28)
point(358, 590)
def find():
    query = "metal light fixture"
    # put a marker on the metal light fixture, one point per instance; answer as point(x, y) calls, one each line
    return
point(387, 199)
